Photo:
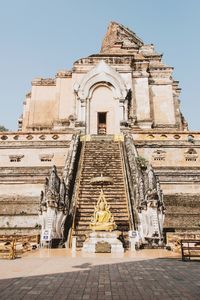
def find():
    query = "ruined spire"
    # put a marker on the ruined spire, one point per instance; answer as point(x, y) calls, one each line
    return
point(119, 39)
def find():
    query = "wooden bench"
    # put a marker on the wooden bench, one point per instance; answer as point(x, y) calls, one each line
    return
point(8, 248)
point(190, 248)
point(15, 245)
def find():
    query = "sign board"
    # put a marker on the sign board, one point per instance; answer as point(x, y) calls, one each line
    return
point(102, 247)
point(46, 235)
point(133, 234)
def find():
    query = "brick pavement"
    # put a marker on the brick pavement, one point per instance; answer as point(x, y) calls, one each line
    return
point(146, 279)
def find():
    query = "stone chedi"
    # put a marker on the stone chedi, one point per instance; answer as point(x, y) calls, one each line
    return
point(117, 111)
point(102, 219)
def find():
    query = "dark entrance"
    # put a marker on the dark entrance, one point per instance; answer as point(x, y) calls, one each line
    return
point(101, 117)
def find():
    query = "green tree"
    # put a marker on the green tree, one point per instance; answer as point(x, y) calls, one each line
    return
point(2, 128)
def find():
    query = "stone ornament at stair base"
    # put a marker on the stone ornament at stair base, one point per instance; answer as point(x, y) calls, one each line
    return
point(53, 207)
point(56, 200)
point(102, 219)
point(146, 198)
point(111, 238)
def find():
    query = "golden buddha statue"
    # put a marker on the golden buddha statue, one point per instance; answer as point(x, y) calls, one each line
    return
point(102, 218)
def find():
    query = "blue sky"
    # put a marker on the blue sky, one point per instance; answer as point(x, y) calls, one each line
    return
point(37, 38)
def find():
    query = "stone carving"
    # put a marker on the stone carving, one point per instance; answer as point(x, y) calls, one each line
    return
point(191, 155)
point(159, 155)
point(55, 200)
point(52, 205)
point(69, 171)
point(64, 74)
point(146, 196)
point(46, 157)
point(102, 72)
point(64, 124)
point(43, 81)
point(16, 157)
point(102, 219)
point(119, 35)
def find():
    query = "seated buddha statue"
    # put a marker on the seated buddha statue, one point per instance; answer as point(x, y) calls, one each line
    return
point(102, 218)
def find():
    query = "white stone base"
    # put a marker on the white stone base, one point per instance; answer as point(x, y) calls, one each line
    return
point(103, 236)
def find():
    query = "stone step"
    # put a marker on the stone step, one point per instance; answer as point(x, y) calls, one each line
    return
point(89, 188)
point(114, 208)
point(86, 196)
point(123, 228)
point(101, 158)
point(83, 222)
point(84, 217)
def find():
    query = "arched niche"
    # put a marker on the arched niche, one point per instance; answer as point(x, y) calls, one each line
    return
point(103, 104)
point(102, 77)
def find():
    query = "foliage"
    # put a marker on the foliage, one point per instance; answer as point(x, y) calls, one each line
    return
point(141, 161)
point(38, 226)
point(2, 128)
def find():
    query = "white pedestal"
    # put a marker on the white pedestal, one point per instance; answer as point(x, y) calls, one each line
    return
point(106, 237)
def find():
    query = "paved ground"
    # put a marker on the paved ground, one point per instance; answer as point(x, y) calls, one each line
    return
point(56, 274)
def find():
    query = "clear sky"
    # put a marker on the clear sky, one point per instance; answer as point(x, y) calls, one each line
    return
point(40, 37)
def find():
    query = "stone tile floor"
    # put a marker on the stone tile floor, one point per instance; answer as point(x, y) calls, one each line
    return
point(58, 274)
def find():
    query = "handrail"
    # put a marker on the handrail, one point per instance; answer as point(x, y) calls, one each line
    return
point(76, 193)
point(131, 222)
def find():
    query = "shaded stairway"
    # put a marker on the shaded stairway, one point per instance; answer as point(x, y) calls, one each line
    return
point(101, 157)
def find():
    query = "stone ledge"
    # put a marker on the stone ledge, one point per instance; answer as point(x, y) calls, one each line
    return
point(110, 238)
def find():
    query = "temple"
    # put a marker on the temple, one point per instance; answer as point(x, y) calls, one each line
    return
point(117, 114)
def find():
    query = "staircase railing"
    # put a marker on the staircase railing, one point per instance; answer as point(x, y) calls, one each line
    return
point(75, 197)
point(131, 220)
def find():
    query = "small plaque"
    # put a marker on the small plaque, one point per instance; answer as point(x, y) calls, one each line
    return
point(103, 247)
point(46, 235)
point(133, 234)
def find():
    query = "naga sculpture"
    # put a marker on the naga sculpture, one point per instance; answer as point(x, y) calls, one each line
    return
point(52, 205)
point(55, 200)
point(145, 195)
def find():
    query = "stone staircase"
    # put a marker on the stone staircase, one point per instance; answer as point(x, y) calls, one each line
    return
point(101, 157)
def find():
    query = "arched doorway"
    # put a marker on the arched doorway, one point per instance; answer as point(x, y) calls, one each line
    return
point(101, 100)
point(104, 111)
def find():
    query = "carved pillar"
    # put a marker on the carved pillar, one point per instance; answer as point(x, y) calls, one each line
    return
point(141, 93)
point(161, 93)
point(87, 116)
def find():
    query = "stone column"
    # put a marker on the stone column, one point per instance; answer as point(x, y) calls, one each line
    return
point(161, 93)
point(87, 116)
point(141, 93)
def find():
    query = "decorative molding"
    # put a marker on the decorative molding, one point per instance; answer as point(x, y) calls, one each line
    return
point(42, 137)
point(46, 157)
point(105, 74)
point(159, 155)
point(191, 155)
point(64, 74)
point(29, 137)
point(108, 59)
point(43, 82)
point(15, 157)
point(4, 137)
point(55, 137)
